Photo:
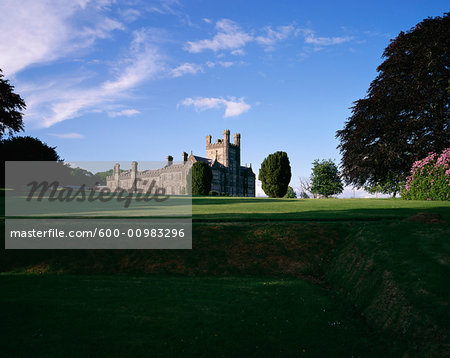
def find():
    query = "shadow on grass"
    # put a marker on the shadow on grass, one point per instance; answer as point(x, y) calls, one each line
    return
point(206, 200)
point(365, 214)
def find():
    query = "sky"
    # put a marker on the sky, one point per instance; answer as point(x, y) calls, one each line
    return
point(108, 80)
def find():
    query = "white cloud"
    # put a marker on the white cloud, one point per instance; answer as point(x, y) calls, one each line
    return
point(131, 14)
point(42, 31)
point(67, 135)
point(186, 68)
point(311, 38)
point(279, 34)
point(208, 21)
point(225, 64)
point(62, 100)
point(229, 37)
point(124, 113)
point(233, 107)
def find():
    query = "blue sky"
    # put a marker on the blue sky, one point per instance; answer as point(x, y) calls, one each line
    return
point(138, 80)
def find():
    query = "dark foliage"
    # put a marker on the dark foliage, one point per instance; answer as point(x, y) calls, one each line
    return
point(275, 174)
point(290, 193)
point(201, 176)
point(11, 105)
point(405, 114)
point(27, 148)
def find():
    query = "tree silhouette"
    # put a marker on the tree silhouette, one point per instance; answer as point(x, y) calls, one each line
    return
point(11, 105)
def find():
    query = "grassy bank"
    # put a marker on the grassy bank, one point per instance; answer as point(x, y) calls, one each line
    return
point(135, 316)
point(389, 259)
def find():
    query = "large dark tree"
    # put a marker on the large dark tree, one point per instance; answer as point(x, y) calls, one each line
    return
point(24, 149)
point(201, 176)
point(275, 174)
point(11, 107)
point(27, 148)
point(405, 114)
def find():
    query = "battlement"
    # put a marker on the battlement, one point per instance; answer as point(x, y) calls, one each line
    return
point(223, 157)
point(224, 141)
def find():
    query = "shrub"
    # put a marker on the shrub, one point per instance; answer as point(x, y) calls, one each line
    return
point(201, 176)
point(290, 193)
point(275, 174)
point(430, 178)
point(213, 193)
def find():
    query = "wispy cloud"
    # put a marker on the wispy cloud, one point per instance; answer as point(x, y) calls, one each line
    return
point(229, 37)
point(186, 68)
point(233, 107)
point(225, 64)
point(67, 135)
point(124, 113)
point(272, 36)
point(311, 38)
point(42, 31)
point(56, 104)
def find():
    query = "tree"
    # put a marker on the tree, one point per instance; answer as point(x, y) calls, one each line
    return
point(27, 148)
point(11, 105)
point(24, 149)
point(275, 174)
point(325, 178)
point(305, 187)
point(303, 195)
point(201, 176)
point(290, 193)
point(405, 114)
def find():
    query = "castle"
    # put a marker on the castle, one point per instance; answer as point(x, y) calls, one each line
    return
point(224, 158)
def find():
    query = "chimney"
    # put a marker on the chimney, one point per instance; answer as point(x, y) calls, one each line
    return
point(185, 156)
point(169, 160)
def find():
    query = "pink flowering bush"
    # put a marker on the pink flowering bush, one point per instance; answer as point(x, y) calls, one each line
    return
point(430, 178)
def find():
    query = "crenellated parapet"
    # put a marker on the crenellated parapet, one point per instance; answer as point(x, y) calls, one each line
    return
point(224, 158)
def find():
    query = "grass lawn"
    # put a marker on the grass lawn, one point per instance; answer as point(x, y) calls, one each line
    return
point(255, 284)
point(242, 209)
point(136, 316)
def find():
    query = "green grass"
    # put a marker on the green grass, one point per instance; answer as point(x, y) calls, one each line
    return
point(247, 209)
point(397, 276)
point(136, 316)
point(250, 209)
point(389, 260)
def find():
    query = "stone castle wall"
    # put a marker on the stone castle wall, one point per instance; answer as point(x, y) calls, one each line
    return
point(229, 177)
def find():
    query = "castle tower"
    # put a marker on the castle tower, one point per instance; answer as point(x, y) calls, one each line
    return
point(226, 147)
point(229, 155)
point(116, 173)
point(133, 176)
